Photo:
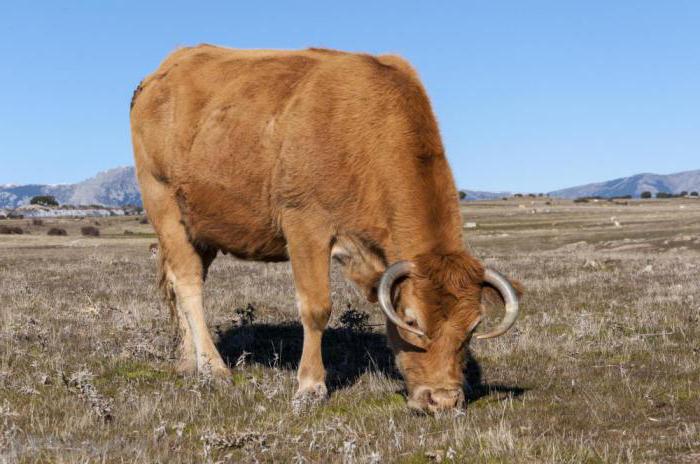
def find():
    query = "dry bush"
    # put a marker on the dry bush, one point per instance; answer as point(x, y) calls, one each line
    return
point(37, 222)
point(90, 231)
point(354, 320)
point(57, 231)
point(11, 230)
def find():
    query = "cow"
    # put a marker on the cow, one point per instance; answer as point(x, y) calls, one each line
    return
point(310, 156)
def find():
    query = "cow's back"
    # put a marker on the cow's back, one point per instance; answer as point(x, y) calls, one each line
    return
point(242, 135)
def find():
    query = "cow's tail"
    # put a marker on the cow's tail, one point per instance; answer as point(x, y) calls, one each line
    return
point(136, 93)
point(166, 287)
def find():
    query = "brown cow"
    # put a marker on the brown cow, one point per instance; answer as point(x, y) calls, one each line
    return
point(304, 155)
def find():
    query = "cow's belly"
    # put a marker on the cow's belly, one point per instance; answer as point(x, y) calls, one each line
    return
point(234, 221)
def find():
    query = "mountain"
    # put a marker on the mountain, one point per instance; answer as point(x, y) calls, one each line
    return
point(635, 185)
point(118, 187)
point(115, 187)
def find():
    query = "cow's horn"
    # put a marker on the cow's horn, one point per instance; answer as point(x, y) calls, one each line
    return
point(394, 272)
point(510, 296)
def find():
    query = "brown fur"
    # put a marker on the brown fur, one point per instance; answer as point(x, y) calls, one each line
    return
point(271, 155)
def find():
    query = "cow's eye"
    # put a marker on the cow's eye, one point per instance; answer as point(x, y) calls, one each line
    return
point(410, 317)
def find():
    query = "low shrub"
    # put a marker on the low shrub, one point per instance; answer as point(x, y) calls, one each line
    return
point(11, 230)
point(90, 231)
point(37, 222)
point(56, 231)
point(245, 316)
point(354, 320)
point(588, 198)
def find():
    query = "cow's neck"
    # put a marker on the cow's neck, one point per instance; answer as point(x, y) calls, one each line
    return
point(430, 231)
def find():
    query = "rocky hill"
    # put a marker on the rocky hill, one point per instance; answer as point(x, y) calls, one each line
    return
point(634, 185)
point(115, 187)
point(118, 187)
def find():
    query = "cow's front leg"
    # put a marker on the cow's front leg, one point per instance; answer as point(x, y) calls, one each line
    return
point(310, 257)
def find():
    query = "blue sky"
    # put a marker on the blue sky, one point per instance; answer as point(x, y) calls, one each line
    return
point(530, 95)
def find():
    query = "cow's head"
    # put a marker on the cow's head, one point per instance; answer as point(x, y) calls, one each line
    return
point(433, 304)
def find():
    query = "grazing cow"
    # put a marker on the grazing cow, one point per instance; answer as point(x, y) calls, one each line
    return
point(308, 155)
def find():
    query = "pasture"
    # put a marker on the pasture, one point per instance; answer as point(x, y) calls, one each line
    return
point(603, 366)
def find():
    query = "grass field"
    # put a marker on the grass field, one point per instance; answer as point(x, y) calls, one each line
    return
point(603, 366)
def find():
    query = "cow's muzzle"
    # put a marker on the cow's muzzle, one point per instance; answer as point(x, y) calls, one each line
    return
point(434, 400)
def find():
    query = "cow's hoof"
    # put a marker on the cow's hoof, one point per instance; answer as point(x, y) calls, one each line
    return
point(186, 367)
point(215, 371)
point(218, 374)
point(222, 374)
point(309, 397)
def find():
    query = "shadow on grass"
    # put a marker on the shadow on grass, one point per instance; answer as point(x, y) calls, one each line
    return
point(475, 388)
point(347, 354)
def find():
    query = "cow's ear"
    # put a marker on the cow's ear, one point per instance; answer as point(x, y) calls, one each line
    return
point(490, 297)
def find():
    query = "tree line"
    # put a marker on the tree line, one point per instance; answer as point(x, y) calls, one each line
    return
point(684, 193)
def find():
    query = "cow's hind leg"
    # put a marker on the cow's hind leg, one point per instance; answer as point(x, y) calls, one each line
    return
point(186, 349)
point(187, 361)
point(183, 269)
point(309, 252)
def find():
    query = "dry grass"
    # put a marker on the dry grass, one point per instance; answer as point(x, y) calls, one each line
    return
point(603, 366)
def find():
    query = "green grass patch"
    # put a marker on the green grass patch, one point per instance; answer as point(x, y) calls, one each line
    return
point(131, 371)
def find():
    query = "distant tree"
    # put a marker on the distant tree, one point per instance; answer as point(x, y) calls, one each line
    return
point(44, 200)
point(664, 195)
point(693, 193)
point(518, 195)
point(462, 195)
point(646, 194)
point(684, 193)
